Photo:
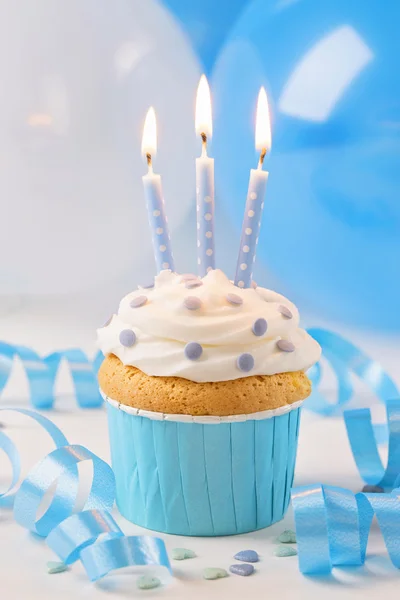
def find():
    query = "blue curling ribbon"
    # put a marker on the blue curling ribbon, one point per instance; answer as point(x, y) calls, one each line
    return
point(42, 373)
point(333, 524)
point(345, 358)
point(364, 445)
point(76, 536)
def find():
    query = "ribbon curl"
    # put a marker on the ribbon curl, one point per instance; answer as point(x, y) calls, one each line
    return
point(42, 372)
point(332, 524)
point(75, 536)
point(345, 358)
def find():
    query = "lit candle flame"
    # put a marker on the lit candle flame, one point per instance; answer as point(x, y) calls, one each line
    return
point(263, 127)
point(149, 139)
point(203, 119)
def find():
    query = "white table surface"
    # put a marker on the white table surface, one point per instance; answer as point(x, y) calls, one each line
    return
point(324, 456)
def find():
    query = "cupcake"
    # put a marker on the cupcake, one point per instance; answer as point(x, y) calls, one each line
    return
point(204, 382)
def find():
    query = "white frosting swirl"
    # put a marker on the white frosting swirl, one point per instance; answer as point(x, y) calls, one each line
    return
point(163, 326)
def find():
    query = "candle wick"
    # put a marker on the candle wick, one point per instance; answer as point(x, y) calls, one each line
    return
point(261, 160)
point(149, 162)
point(204, 144)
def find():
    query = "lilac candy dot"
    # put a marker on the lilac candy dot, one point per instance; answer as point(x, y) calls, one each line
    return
point(253, 285)
point(260, 326)
point(193, 283)
point(234, 299)
point(372, 489)
point(138, 302)
point(244, 569)
point(250, 556)
point(192, 303)
point(193, 350)
point(106, 324)
point(245, 362)
point(285, 312)
point(147, 286)
point(187, 277)
point(285, 346)
point(127, 338)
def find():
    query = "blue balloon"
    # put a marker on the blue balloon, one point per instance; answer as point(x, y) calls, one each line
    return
point(332, 212)
point(207, 23)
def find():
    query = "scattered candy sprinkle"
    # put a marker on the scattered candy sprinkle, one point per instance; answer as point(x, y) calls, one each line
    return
point(282, 551)
point(243, 569)
point(106, 324)
point(188, 276)
point(182, 553)
point(138, 302)
point(260, 326)
point(193, 283)
point(285, 312)
point(147, 286)
point(127, 338)
point(192, 303)
point(56, 567)
point(373, 489)
point(285, 346)
point(250, 556)
point(245, 362)
point(193, 350)
point(148, 583)
point(287, 537)
point(253, 285)
point(214, 573)
point(234, 299)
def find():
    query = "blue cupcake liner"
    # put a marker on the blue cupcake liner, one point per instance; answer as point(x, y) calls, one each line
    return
point(200, 479)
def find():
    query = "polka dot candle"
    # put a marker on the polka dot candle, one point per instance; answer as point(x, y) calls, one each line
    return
point(251, 227)
point(204, 183)
point(255, 198)
point(155, 200)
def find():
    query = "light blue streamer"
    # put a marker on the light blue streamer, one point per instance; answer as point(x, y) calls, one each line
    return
point(73, 536)
point(364, 446)
point(42, 373)
point(143, 550)
point(345, 358)
point(333, 524)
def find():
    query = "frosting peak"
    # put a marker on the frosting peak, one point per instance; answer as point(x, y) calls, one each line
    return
point(207, 330)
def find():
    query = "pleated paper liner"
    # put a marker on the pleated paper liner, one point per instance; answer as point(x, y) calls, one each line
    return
point(220, 476)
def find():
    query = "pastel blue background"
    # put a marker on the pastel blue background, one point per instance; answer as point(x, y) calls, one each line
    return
point(332, 218)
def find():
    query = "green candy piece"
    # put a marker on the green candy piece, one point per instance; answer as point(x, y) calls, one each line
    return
point(285, 551)
point(287, 537)
point(148, 583)
point(214, 573)
point(182, 553)
point(56, 567)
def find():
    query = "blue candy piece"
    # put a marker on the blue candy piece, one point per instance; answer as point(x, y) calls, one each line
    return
point(193, 350)
point(245, 362)
point(285, 346)
point(282, 551)
point(250, 556)
point(138, 301)
point(285, 312)
point(373, 489)
point(234, 299)
point(244, 569)
point(192, 303)
point(127, 338)
point(260, 326)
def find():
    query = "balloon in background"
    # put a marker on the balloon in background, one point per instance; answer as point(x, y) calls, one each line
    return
point(77, 79)
point(332, 216)
point(207, 24)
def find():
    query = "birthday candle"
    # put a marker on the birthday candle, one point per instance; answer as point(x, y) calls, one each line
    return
point(154, 197)
point(204, 182)
point(255, 198)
